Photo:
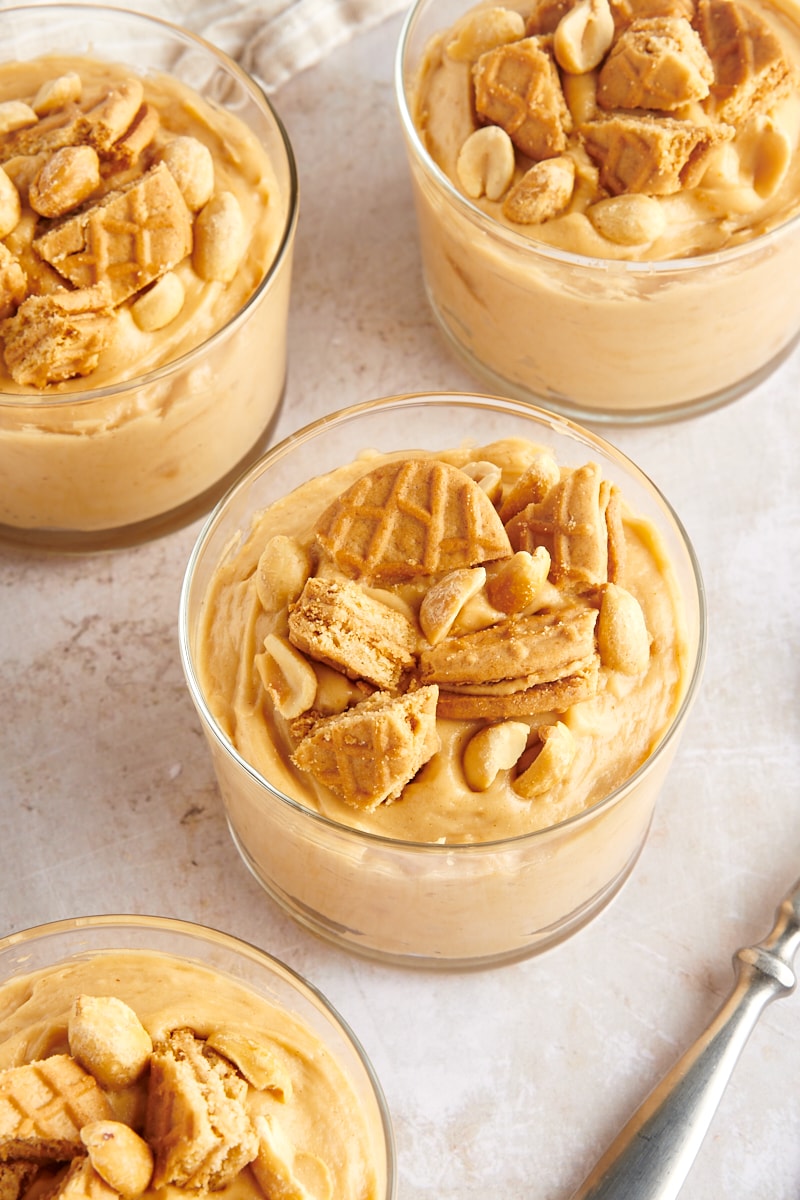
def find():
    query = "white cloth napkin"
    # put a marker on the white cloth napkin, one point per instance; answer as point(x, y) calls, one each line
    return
point(272, 39)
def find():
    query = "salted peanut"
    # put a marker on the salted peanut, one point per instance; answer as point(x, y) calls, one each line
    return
point(335, 692)
point(192, 166)
point(723, 167)
point(13, 283)
point(282, 571)
point(622, 637)
point(551, 763)
point(485, 163)
point(220, 239)
point(138, 136)
point(107, 1038)
point(488, 477)
point(274, 1165)
point(493, 749)
point(57, 93)
point(580, 93)
point(82, 1182)
point(541, 474)
point(543, 192)
point(22, 169)
point(583, 36)
point(257, 1062)
point(611, 500)
point(443, 601)
point(120, 1157)
point(482, 31)
point(772, 154)
point(159, 305)
point(631, 220)
point(106, 122)
point(10, 205)
point(287, 676)
point(15, 114)
point(519, 581)
point(67, 179)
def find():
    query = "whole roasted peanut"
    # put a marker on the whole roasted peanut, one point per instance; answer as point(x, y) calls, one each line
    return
point(543, 192)
point(288, 677)
point(220, 238)
point(488, 477)
point(493, 749)
point(111, 116)
point(583, 35)
point(622, 637)
point(256, 1061)
point(485, 163)
point(68, 177)
point(159, 305)
point(22, 169)
point(56, 93)
point(551, 764)
point(482, 31)
point(541, 474)
point(445, 599)
point(283, 568)
point(15, 114)
point(13, 283)
point(631, 220)
point(119, 1156)
point(108, 1040)
point(10, 205)
point(192, 167)
point(517, 582)
point(773, 154)
point(580, 93)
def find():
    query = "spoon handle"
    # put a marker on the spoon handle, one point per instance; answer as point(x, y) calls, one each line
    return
point(651, 1157)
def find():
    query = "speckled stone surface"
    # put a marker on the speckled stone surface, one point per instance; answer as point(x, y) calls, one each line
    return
point(506, 1082)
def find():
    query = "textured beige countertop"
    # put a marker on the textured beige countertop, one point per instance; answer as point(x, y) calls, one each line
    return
point(501, 1083)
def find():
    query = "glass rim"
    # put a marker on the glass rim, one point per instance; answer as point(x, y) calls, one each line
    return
point(84, 397)
point(523, 243)
point(558, 424)
point(210, 935)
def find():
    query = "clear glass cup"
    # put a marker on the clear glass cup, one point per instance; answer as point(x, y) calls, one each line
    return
point(92, 467)
point(595, 339)
point(267, 984)
point(419, 903)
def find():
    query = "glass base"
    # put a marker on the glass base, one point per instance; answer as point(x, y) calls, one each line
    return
point(345, 938)
point(96, 541)
point(586, 414)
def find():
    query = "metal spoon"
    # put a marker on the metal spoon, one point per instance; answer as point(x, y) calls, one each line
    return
point(651, 1157)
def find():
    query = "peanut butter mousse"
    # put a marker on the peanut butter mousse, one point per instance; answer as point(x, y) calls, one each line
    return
point(136, 220)
point(577, 168)
point(133, 1073)
point(448, 648)
point(635, 129)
